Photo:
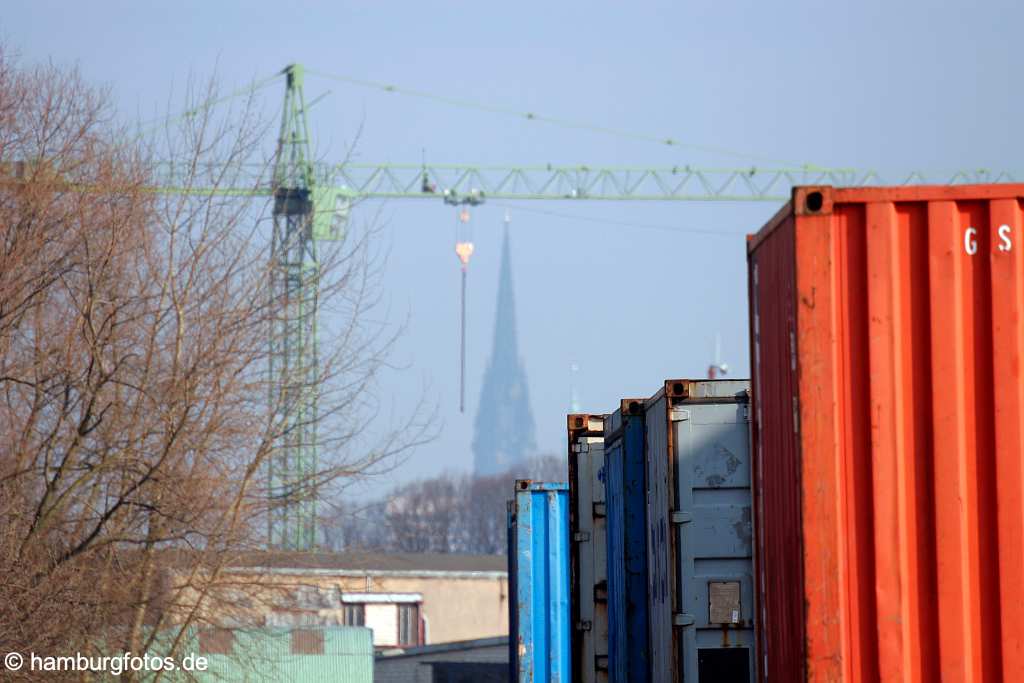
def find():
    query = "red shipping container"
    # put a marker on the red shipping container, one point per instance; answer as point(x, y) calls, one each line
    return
point(887, 332)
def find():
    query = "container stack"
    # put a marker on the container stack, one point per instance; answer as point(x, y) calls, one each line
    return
point(660, 543)
point(872, 473)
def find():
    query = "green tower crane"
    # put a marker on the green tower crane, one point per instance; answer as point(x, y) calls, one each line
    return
point(294, 351)
point(293, 337)
point(311, 203)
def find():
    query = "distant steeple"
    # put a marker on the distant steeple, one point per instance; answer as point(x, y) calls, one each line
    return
point(504, 434)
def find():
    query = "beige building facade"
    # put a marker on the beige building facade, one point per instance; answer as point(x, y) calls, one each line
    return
point(408, 600)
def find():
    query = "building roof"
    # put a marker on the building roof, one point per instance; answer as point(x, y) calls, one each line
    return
point(457, 646)
point(406, 563)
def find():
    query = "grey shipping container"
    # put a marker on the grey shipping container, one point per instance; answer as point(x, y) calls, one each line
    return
point(588, 576)
point(700, 566)
point(538, 524)
point(628, 649)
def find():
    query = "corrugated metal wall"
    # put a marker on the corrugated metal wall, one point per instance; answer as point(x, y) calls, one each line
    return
point(660, 502)
point(904, 349)
point(778, 559)
point(540, 534)
point(268, 655)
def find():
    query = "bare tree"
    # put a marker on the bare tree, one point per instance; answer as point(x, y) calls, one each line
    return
point(136, 415)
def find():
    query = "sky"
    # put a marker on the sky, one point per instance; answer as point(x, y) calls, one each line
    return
point(632, 292)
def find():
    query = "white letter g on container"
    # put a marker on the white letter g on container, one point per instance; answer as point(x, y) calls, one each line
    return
point(970, 244)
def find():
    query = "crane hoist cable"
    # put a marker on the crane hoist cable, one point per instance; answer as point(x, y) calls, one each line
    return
point(463, 250)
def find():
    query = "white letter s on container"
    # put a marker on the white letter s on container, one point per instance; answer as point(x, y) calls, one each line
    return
point(1005, 243)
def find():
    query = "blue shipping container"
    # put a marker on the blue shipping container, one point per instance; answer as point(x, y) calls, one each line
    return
point(626, 524)
point(539, 573)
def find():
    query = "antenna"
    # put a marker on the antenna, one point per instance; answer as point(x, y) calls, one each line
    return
point(718, 367)
point(574, 395)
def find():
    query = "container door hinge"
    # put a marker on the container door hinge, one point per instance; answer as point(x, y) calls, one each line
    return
point(682, 620)
point(581, 536)
point(599, 510)
point(583, 625)
point(601, 662)
point(680, 414)
point(681, 516)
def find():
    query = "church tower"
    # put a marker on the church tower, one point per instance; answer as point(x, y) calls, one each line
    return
point(504, 429)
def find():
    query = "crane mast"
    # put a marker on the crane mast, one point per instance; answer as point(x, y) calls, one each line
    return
point(293, 359)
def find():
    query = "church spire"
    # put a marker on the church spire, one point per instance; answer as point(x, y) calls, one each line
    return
point(504, 434)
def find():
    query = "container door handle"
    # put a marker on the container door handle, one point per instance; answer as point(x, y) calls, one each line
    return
point(682, 620)
point(681, 516)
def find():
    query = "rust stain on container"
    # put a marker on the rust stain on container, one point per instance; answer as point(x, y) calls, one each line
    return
point(887, 332)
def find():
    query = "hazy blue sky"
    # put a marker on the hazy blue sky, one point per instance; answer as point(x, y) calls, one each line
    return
point(891, 85)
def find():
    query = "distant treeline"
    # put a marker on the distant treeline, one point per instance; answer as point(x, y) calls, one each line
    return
point(451, 513)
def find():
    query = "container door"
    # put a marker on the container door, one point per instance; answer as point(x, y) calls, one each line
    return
point(615, 562)
point(513, 608)
point(659, 504)
point(635, 526)
point(541, 535)
point(714, 567)
point(599, 563)
point(589, 546)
